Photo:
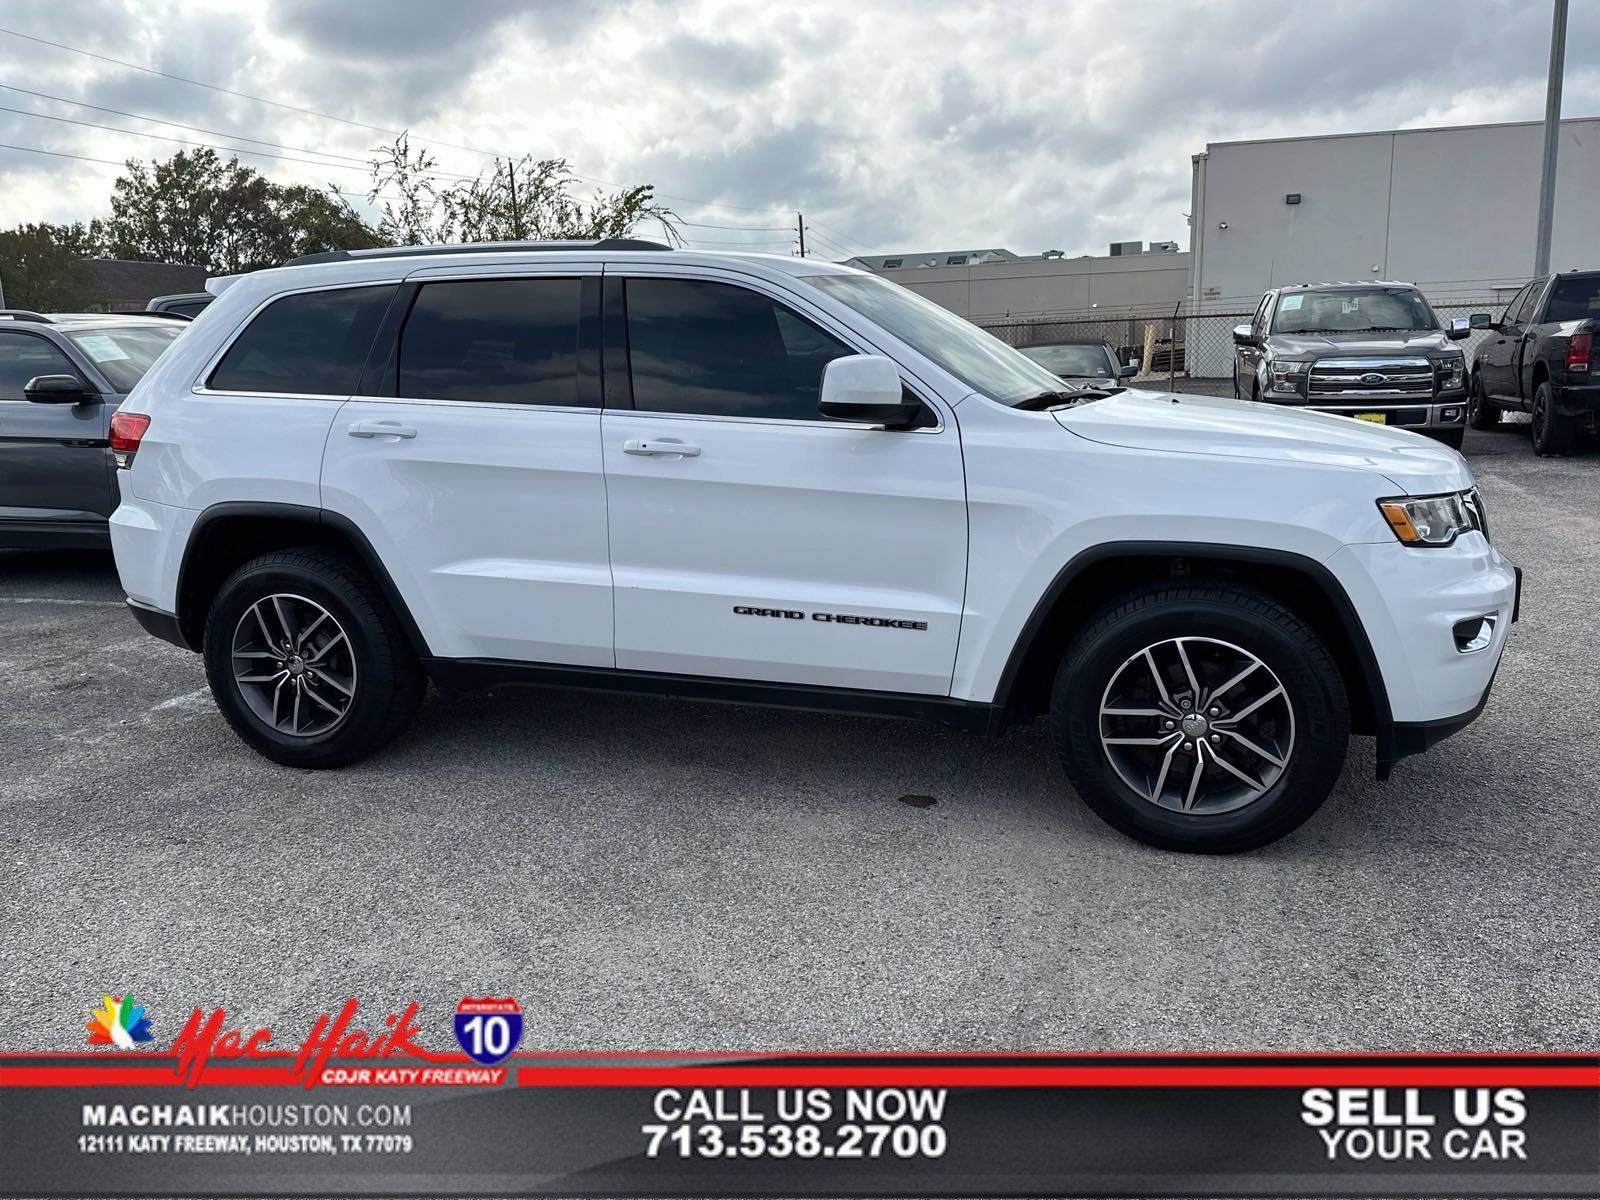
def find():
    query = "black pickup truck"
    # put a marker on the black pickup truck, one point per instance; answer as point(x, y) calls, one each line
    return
point(1537, 359)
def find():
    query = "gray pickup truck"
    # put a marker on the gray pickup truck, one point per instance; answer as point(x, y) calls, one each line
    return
point(61, 378)
point(1373, 351)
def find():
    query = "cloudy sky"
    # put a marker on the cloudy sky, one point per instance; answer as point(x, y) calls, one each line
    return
point(911, 125)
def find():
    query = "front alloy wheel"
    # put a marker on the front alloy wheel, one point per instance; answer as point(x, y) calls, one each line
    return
point(294, 665)
point(1215, 743)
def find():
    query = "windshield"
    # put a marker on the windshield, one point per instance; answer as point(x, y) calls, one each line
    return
point(978, 359)
point(1353, 310)
point(124, 355)
point(1074, 361)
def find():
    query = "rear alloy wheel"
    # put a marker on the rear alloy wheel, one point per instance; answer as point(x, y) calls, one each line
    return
point(1552, 433)
point(1203, 718)
point(1481, 414)
point(307, 661)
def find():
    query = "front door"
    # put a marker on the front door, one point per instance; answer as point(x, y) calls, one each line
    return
point(53, 457)
point(1497, 355)
point(750, 537)
point(478, 478)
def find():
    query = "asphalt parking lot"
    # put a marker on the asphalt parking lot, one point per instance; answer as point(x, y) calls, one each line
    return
point(651, 874)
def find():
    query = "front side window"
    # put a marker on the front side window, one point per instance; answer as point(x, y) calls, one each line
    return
point(722, 350)
point(1512, 308)
point(504, 341)
point(124, 355)
point(978, 359)
point(1528, 305)
point(1353, 310)
point(25, 355)
point(314, 343)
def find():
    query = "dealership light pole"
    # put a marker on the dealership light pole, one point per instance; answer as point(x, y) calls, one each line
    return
point(1552, 138)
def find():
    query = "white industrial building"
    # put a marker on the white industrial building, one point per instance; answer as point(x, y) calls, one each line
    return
point(1453, 210)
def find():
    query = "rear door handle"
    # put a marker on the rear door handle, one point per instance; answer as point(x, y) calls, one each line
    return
point(660, 446)
point(367, 429)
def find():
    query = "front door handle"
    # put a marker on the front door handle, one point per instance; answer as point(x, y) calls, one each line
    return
point(660, 446)
point(367, 429)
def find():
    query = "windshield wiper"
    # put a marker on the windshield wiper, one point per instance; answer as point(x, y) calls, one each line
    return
point(1045, 401)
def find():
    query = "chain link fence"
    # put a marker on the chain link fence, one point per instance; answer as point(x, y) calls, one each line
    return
point(1185, 348)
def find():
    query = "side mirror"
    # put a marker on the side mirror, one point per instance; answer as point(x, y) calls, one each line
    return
point(1128, 372)
point(58, 389)
point(866, 388)
point(1480, 321)
point(1460, 327)
point(1243, 337)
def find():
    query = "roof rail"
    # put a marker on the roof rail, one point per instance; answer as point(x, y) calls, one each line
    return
point(24, 314)
point(327, 256)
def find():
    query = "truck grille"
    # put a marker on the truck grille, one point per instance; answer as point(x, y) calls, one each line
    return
point(1358, 377)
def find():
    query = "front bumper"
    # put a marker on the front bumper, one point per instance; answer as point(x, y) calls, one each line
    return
point(1410, 602)
point(1445, 411)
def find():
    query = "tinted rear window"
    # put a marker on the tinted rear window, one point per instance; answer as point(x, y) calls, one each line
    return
point(510, 341)
point(1574, 299)
point(314, 343)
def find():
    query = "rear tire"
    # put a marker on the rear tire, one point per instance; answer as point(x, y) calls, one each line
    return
point(1482, 414)
point(307, 662)
point(1289, 745)
point(1552, 433)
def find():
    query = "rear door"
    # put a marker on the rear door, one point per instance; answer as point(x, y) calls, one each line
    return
point(750, 537)
point(471, 461)
point(53, 457)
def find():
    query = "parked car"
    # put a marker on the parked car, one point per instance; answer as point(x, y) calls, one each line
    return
point(182, 304)
point(1084, 363)
point(1540, 360)
point(784, 481)
point(61, 378)
point(1373, 351)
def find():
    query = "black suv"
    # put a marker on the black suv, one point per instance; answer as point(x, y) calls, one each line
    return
point(1374, 351)
point(61, 378)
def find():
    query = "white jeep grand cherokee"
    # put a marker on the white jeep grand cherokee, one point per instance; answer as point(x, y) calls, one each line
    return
point(781, 481)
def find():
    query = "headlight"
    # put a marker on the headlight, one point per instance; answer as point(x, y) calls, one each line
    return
point(1433, 520)
point(1452, 373)
point(1288, 374)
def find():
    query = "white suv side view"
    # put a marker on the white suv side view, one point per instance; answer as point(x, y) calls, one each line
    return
point(783, 481)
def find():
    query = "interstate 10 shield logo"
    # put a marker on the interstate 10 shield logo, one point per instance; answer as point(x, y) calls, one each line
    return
point(488, 1029)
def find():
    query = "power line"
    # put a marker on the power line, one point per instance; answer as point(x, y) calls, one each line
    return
point(238, 137)
point(709, 242)
point(734, 228)
point(842, 237)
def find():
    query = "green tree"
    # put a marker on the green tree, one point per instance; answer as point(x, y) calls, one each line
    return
point(42, 267)
point(523, 199)
point(226, 217)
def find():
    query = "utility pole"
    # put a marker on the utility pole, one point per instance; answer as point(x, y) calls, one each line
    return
point(800, 224)
point(1552, 138)
point(516, 213)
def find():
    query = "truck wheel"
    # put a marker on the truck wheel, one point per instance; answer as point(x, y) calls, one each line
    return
point(1481, 414)
point(307, 662)
point(1552, 433)
point(1206, 718)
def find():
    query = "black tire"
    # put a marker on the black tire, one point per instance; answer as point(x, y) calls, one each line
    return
point(1450, 437)
point(1552, 433)
point(386, 681)
point(1212, 615)
point(1482, 413)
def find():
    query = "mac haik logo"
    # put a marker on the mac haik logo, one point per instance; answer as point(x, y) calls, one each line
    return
point(118, 1022)
point(207, 1037)
point(488, 1029)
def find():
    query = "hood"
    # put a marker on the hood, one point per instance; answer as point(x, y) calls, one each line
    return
point(1230, 428)
point(1358, 345)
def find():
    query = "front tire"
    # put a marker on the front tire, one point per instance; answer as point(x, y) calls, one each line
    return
point(1205, 718)
point(1482, 414)
point(1552, 433)
point(307, 662)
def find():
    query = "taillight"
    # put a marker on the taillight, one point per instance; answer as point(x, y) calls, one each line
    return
point(126, 431)
point(1578, 352)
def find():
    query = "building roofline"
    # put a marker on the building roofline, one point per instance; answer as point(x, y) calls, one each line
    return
point(1325, 137)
